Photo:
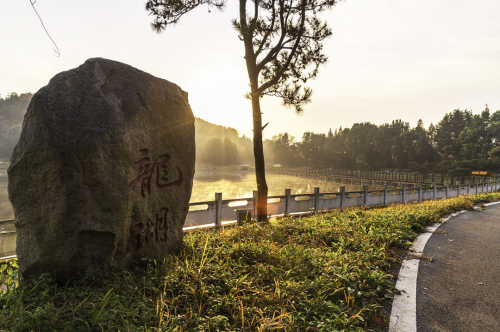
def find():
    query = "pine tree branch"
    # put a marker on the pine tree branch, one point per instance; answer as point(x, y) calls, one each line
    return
point(280, 73)
point(269, 31)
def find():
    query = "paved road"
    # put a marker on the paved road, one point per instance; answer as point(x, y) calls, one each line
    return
point(460, 289)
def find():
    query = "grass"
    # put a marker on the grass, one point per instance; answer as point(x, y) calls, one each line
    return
point(329, 272)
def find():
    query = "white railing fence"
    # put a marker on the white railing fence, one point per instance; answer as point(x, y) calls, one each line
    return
point(221, 212)
point(225, 212)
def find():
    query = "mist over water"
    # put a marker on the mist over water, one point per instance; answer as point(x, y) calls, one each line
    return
point(231, 184)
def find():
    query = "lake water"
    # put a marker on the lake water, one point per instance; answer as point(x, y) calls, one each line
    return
point(5, 206)
point(230, 184)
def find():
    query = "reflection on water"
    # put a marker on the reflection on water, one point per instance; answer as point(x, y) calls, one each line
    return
point(237, 185)
point(230, 184)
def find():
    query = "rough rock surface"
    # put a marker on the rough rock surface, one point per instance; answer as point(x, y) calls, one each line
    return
point(103, 170)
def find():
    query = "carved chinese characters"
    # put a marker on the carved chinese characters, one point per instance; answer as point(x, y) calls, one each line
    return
point(145, 172)
point(150, 231)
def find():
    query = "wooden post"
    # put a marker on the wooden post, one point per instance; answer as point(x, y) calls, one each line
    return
point(419, 192)
point(218, 210)
point(288, 193)
point(446, 189)
point(458, 188)
point(468, 187)
point(434, 190)
point(316, 199)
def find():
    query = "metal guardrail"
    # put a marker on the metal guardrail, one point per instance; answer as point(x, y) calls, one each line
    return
point(221, 212)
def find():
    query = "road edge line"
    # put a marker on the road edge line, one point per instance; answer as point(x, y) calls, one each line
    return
point(404, 306)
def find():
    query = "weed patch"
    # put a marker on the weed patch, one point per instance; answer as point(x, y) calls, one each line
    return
point(327, 272)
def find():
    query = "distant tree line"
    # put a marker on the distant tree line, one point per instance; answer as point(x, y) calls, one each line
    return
point(460, 143)
point(12, 110)
point(219, 145)
point(216, 144)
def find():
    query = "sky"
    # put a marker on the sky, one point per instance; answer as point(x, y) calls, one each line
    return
point(388, 59)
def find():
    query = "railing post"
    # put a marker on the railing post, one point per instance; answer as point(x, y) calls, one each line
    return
point(342, 195)
point(403, 190)
point(316, 199)
point(434, 190)
point(458, 188)
point(446, 189)
point(468, 187)
point(218, 210)
point(385, 194)
point(482, 186)
point(477, 188)
point(365, 193)
point(288, 193)
point(255, 198)
point(419, 192)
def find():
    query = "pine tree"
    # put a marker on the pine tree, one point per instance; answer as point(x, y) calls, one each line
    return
point(283, 42)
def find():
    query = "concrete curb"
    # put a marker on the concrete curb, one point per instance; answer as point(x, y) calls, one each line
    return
point(404, 306)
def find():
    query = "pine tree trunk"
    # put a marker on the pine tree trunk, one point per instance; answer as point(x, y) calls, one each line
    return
point(260, 169)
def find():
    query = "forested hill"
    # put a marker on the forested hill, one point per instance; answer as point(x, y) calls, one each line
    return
point(221, 145)
point(459, 143)
point(12, 110)
point(206, 130)
point(14, 106)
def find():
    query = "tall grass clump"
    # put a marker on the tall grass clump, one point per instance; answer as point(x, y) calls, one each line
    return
point(327, 272)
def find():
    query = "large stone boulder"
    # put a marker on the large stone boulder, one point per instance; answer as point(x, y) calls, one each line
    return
point(103, 171)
